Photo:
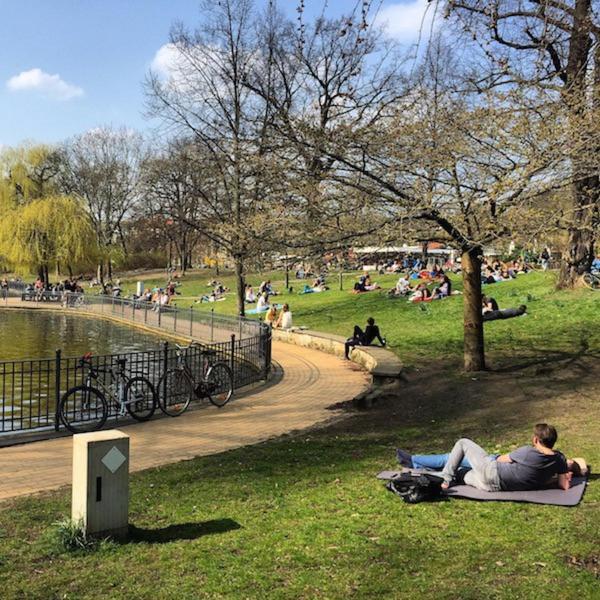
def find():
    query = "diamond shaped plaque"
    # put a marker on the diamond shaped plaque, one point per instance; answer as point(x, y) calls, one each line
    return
point(113, 459)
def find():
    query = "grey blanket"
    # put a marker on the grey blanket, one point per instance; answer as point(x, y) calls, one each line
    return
point(553, 496)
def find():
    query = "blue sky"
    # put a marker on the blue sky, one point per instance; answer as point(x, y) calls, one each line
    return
point(71, 65)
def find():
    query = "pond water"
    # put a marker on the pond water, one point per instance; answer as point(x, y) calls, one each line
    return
point(38, 334)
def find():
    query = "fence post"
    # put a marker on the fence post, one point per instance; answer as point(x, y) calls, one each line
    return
point(175, 320)
point(191, 320)
point(57, 362)
point(145, 312)
point(166, 365)
point(159, 311)
point(233, 357)
point(212, 324)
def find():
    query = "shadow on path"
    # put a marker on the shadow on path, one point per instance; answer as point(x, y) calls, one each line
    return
point(180, 531)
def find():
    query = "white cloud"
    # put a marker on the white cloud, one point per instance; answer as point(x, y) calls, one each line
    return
point(165, 60)
point(408, 20)
point(52, 86)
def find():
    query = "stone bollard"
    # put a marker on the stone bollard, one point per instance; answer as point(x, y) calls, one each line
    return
point(100, 496)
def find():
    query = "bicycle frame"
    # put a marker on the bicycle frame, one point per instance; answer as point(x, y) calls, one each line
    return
point(115, 389)
point(183, 364)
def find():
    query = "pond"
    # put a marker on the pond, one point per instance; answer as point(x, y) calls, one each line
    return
point(38, 334)
point(29, 390)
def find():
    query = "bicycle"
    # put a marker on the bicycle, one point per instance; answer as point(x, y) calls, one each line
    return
point(84, 408)
point(178, 385)
point(592, 280)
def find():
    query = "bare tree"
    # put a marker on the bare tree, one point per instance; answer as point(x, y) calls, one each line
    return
point(206, 100)
point(102, 167)
point(552, 47)
point(429, 153)
point(170, 181)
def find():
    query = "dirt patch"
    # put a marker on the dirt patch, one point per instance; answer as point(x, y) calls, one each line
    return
point(497, 403)
point(586, 563)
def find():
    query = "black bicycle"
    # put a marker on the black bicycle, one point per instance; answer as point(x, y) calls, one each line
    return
point(178, 385)
point(85, 407)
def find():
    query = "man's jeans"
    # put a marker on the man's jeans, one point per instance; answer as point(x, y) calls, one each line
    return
point(435, 462)
point(484, 468)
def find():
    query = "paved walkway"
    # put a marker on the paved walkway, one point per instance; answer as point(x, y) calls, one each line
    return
point(306, 383)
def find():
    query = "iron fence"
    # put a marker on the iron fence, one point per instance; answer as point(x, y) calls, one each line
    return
point(30, 390)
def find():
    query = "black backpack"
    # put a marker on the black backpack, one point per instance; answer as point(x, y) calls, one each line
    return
point(416, 487)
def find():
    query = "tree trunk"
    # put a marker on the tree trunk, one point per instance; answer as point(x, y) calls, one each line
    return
point(474, 356)
point(579, 254)
point(341, 276)
point(240, 285)
point(287, 274)
point(100, 274)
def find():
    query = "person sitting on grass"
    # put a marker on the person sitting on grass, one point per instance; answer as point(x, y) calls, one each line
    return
point(271, 316)
point(444, 289)
point(401, 289)
point(250, 296)
point(284, 321)
point(363, 338)
point(263, 302)
point(527, 468)
point(421, 293)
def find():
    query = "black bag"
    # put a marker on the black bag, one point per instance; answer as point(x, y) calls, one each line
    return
point(416, 487)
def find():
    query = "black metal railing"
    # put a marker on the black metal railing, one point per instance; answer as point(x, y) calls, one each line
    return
point(30, 390)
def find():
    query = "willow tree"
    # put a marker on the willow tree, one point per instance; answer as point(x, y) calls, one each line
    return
point(47, 232)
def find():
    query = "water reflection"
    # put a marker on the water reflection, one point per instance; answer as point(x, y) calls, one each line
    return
point(37, 334)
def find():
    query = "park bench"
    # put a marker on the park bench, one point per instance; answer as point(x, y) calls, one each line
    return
point(45, 296)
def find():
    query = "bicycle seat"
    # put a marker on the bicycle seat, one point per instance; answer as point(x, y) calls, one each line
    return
point(208, 352)
point(121, 362)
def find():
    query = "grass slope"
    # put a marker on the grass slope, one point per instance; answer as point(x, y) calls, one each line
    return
point(557, 321)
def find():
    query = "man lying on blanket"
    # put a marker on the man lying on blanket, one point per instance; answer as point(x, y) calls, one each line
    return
point(527, 468)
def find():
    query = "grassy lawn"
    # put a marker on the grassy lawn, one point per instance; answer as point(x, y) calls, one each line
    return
point(303, 516)
point(557, 321)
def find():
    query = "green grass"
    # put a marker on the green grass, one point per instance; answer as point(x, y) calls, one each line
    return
point(303, 516)
point(557, 321)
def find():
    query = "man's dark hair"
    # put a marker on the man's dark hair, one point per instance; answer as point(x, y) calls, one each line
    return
point(546, 434)
point(371, 321)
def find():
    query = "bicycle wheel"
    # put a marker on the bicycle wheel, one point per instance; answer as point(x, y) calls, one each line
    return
point(140, 398)
point(218, 384)
point(83, 409)
point(592, 281)
point(179, 392)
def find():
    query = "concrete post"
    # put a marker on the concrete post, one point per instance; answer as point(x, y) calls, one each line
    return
point(100, 496)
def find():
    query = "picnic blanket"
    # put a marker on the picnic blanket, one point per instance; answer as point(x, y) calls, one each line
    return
point(552, 496)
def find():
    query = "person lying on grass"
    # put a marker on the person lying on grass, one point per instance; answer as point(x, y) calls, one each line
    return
point(363, 338)
point(527, 468)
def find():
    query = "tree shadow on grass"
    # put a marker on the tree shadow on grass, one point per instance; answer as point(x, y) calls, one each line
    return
point(551, 360)
point(180, 531)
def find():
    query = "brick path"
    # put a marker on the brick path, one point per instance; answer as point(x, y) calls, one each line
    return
point(308, 382)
